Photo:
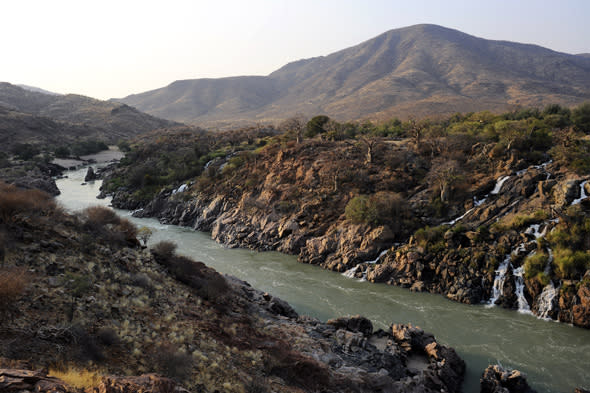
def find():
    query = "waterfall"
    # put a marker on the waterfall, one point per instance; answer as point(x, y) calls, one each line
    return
point(582, 193)
point(534, 230)
point(351, 272)
point(479, 202)
point(499, 185)
point(453, 222)
point(545, 300)
point(523, 305)
point(499, 279)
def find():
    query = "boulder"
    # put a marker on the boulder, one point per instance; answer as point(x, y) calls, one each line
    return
point(353, 324)
point(90, 175)
point(497, 379)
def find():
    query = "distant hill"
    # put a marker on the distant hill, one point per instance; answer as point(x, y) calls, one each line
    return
point(27, 115)
point(38, 90)
point(413, 71)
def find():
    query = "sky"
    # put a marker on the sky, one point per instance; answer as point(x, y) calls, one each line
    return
point(113, 48)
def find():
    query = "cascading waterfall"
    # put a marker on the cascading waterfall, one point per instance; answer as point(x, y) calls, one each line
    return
point(351, 273)
point(453, 222)
point(546, 299)
point(518, 273)
point(582, 193)
point(523, 305)
point(500, 279)
point(499, 183)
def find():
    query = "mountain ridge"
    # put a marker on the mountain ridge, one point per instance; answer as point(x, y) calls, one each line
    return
point(32, 116)
point(419, 70)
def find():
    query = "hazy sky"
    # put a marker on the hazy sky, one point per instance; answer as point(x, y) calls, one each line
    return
point(107, 49)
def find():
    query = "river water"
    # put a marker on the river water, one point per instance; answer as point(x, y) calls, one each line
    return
point(555, 356)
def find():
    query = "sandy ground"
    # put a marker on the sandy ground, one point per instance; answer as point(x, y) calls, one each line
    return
point(113, 154)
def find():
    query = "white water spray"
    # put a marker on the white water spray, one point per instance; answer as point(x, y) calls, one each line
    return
point(499, 184)
point(582, 193)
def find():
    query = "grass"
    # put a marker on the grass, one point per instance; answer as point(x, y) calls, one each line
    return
point(82, 379)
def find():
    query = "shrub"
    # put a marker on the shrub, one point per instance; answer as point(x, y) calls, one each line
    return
point(430, 236)
point(535, 264)
point(104, 222)
point(164, 250)
point(360, 210)
point(107, 336)
point(13, 282)
point(14, 201)
point(173, 363)
point(81, 379)
point(571, 264)
point(101, 216)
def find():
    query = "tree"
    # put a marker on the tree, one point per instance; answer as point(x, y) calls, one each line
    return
point(581, 117)
point(25, 151)
point(294, 125)
point(316, 126)
point(144, 234)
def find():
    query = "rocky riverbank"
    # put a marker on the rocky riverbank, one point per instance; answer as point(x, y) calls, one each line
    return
point(458, 258)
point(84, 296)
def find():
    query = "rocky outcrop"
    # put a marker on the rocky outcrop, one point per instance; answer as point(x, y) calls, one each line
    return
point(90, 174)
point(43, 183)
point(16, 381)
point(497, 379)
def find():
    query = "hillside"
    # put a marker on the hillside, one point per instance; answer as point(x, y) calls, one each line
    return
point(422, 70)
point(479, 208)
point(32, 115)
point(80, 297)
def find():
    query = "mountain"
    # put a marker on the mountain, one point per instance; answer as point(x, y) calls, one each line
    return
point(414, 71)
point(28, 114)
point(38, 90)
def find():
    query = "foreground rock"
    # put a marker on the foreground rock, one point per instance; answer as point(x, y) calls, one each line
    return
point(497, 379)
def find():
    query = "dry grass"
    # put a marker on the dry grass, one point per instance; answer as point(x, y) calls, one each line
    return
point(14, 201)
point(77, 378)
point(13, 282)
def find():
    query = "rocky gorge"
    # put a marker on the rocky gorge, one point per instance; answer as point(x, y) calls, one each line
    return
point(298, 202)
point(113, 307)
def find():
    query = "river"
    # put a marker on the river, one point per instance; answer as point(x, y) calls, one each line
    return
point(555, 356)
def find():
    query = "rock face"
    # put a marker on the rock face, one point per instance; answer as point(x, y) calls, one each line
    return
point(90, 175)
point(497, 379)
point(296, 203)
point(14, 381)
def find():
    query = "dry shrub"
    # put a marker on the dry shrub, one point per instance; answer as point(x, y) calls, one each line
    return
point(173, 363)
point(100, 215)
point(13, 282)
point(105, 223)
point(208, 284)
point(296, 368)
point(164, 250)
point(82, 379)
point(14, 201)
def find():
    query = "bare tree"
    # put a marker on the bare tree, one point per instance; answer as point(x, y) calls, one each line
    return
point(295, 125)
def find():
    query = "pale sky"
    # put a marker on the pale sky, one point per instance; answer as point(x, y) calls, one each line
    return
point(113, 48)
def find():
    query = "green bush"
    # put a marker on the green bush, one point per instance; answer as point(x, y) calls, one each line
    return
point(360, 209)
point(571, 264)
point(430, 236)
point(535, 264)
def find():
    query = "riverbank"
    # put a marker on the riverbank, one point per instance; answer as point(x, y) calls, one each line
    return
point(83, 295)
point(481, 335)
